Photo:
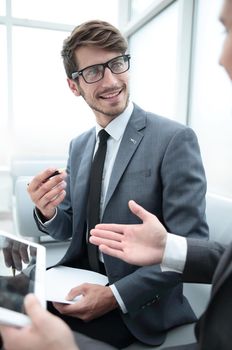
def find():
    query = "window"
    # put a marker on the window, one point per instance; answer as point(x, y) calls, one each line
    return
point(211, 112)
point(39, 111)
point(68, 11)
point(46, 113)
point(153, 51)
point(2, 8)
point(138, 6)
point(175, 72)
point(4, 136)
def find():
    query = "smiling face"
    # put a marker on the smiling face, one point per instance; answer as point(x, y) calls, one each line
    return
point(226, 54)
point(109, 96)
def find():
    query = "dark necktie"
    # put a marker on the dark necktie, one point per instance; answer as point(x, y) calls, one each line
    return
point(95, 196)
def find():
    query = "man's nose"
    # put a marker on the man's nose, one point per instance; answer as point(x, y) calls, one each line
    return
point(109, 76)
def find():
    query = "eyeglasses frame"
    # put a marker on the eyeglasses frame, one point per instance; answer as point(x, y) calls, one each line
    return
point(105, 65)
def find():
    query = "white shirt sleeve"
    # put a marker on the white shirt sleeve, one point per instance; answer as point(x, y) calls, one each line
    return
point(174, 254)
point(118, 298)
point(46, 222)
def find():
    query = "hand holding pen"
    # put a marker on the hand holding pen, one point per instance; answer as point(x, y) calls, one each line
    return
point(47, 191)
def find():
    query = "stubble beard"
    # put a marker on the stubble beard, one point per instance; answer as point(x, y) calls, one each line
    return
point(116, 111)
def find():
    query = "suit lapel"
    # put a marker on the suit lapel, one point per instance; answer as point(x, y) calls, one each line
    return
point(129, 144)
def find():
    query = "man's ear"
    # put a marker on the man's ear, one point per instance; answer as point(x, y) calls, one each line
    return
point(73, 87)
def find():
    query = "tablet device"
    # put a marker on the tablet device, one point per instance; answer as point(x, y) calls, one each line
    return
point(22, 271)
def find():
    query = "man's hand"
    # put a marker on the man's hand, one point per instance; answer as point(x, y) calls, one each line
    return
point(47, 332)
point(96, 301)
point(141, 244)
point(15, 253)
point(47, 191)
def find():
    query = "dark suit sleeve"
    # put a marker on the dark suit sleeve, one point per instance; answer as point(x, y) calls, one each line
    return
point(202, 259)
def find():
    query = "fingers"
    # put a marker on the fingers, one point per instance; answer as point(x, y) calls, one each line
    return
point(52, 198)
point(8, 332)
point(138, 210)
point(33, 251)
point(38, 315)
point(19, 254)
point(110, 227)
point(66, 309)
point(44, 177)
point(35, 311)
point(135, 209)
point(113, 240)
point(74, 293)
point(8, 257)
point(32, 306)
point(47, 191)
point(106, 249)
point(14, 254)
point(108, 231)
point(41, 319)
point(44, 183)
point(23, 252)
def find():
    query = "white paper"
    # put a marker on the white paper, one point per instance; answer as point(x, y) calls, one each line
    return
point(61, 279)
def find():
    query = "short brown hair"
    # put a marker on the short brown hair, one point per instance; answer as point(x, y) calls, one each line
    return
point(92, 33)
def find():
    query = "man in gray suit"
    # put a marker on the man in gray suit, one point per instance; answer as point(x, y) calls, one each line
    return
point(150, 159)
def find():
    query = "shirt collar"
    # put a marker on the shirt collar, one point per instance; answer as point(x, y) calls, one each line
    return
point(118, 125)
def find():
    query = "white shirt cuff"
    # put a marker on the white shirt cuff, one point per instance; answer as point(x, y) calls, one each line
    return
point(118, 298)
point(46, 222)
point(174, 254)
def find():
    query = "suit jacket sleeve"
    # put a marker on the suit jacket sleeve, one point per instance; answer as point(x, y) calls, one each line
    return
point(202, 259)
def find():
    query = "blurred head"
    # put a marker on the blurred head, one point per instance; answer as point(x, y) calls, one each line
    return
point(226, 54)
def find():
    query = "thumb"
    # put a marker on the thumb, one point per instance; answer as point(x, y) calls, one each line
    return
point(32, 306)
point(74, 293)
point(138, 210)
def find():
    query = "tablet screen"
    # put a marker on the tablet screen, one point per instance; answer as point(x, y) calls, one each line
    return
point(22, 269)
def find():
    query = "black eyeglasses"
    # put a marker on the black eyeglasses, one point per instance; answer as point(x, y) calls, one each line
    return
point(92, 74)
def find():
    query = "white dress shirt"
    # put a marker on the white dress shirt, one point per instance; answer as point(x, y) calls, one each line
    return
point(174, 254)
point(116, 130)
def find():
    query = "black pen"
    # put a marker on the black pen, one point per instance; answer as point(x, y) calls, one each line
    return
point(56, 172)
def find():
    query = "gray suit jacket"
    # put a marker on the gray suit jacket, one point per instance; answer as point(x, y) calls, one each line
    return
point(159, 166)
